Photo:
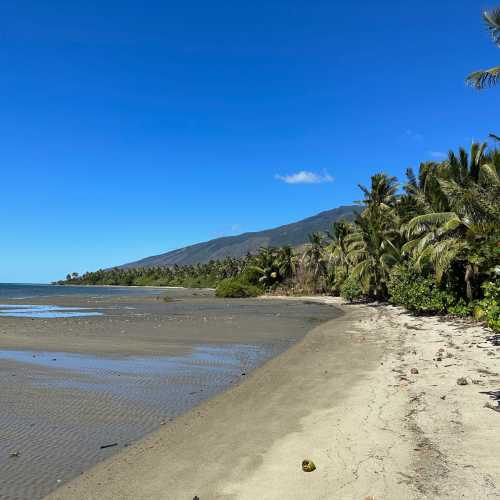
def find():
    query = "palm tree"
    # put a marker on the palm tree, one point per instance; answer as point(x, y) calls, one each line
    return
point(265, 264)
point(373, 248)
point(382, 192)
point(459, 233)
point(314, 258)
point(466, 167)
point(338, 253)
point(488, 77)
point(286, 262)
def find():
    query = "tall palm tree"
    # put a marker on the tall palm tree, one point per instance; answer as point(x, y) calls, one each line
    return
point(337, 250)
point(488, 77)
point(373, 248)
point(286, 262)
point(382, 191)
point(314, 258)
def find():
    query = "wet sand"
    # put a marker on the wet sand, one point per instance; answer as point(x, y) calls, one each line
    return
point(371, 397)
point(72, 385)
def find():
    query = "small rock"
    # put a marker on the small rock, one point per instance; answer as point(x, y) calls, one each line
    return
point(308, 465)
point(462, 381)
point(15, 454)
point(414, 371)
point(443, 397)
point(196, 497)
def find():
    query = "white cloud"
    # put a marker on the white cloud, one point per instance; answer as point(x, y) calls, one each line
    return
point(305, 177)
point(439, 155)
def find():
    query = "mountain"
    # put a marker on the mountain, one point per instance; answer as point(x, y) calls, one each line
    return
point(294, 234)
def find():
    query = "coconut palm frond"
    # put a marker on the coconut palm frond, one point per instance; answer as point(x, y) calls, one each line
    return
point(361, 271)
point(492, 19)
point(423, 223)
point(489, 175)
point(409, 247)
point(484, 78)
point(443, 254)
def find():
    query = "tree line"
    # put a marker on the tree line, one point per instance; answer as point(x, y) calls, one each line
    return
point(430, 244)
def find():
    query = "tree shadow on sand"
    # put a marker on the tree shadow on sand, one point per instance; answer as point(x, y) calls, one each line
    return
point(494, 339)
point(494, 396)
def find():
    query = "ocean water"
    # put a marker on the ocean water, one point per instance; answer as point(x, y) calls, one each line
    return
point(36, 311)
point(28, 291)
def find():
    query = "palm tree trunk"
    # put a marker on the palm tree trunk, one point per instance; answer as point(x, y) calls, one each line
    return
point(469, 274)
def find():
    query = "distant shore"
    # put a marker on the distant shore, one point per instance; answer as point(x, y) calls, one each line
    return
point(371, 397)
point(130, 286)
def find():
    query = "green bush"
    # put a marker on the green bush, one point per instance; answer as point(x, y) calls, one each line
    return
point(461, 308)
point(351, 289)
point(489, 308)
point(236, 288)
point(416, 292)
point(250, 275)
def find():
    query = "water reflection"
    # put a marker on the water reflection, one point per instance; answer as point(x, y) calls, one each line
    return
point(44, 311)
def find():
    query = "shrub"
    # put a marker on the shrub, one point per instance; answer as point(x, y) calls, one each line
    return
point(236, 288)
point(351, 289)
point(461, 308)
point(489, 306)
point(250, 275)
point(417, 292)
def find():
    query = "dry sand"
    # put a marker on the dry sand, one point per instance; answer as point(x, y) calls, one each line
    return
point(344, 397)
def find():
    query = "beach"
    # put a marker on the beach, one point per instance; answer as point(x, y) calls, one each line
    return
point(387, 406)
point(78, 389)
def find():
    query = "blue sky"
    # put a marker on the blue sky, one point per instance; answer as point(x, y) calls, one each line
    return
point(131, 128)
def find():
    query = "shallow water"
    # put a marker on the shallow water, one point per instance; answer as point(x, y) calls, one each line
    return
point(203, 357)
point(59, 409)
point(44, 311)
point(26, 291)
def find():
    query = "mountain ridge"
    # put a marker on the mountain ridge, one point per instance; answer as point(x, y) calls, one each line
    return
point(293, 234)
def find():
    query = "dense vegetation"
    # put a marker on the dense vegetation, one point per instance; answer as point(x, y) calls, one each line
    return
point(195, 276)
point(431, 244)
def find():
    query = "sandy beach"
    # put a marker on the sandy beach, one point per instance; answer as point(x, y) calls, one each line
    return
point(371, 397)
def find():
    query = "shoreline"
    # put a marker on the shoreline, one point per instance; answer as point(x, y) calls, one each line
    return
point(345, 397)
point(71, 385)
point(132, 286)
